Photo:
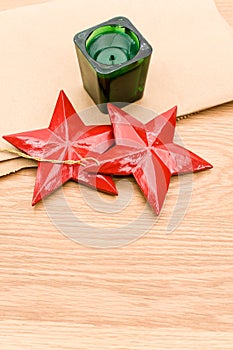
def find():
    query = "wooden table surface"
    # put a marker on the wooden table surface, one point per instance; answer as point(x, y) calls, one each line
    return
point(163, 291)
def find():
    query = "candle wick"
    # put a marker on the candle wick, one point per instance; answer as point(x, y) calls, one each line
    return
point(112, 58)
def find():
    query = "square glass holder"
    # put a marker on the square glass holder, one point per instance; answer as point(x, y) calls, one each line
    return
point(114, 59)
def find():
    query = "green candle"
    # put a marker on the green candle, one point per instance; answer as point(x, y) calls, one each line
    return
point(112, 45)
point(114, 59)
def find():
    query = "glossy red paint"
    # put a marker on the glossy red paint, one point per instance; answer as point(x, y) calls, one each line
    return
point(66, 138)
point(147, 151)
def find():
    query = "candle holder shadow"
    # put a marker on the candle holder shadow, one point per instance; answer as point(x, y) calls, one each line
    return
point(114, 59)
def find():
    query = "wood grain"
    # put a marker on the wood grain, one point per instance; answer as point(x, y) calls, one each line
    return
point(163, 291)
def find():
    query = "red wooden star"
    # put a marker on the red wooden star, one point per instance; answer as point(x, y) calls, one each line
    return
point(147, 151)
point(67, 138)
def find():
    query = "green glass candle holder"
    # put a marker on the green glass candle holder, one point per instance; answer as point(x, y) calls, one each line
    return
point(114, 59)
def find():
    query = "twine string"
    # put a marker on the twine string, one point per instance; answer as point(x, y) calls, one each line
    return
point(82, 161)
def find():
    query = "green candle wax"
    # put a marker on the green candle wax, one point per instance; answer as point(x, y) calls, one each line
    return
point(112, 45)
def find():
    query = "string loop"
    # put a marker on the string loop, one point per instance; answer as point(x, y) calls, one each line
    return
point(54, 161)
